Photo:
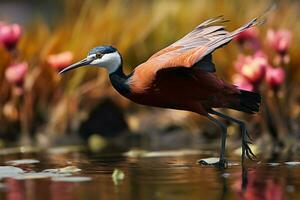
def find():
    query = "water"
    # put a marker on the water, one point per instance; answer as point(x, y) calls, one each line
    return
point(151, 177)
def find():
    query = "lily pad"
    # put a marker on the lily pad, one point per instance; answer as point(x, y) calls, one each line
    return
point(136, 153)
point(72, 179)
point(39, 175)
point(117, 176)
point(22, 162)
point(17, 150)
point(68, 169)
point(225, 175)
point(292, 163)
point(66, 149)
point(273, 164)
point(183, 152)
point(175, 153)
point(9, 171)
point(208, 161)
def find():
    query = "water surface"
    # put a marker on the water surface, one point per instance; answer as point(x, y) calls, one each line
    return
point(150, 178)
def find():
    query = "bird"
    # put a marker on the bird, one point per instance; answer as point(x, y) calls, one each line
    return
point(182, 76)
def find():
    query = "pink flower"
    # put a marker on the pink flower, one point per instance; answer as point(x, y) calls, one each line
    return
point(61, 60)
point(261, 54)
point(10, 35)
point(248, 37)
point(252, 67)
point(248, 34)
point(16, 73)
point(275, 77)
point(242, 83)
point(280, 40)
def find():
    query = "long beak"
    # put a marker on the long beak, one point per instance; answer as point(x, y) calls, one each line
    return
point(81, 63)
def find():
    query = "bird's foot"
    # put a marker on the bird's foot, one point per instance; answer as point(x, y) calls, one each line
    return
point(246, 150)
point(216, 162)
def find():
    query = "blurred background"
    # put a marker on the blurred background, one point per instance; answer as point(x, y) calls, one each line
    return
point(40, 108)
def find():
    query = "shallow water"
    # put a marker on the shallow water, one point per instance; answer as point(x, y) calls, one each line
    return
point(169, 176)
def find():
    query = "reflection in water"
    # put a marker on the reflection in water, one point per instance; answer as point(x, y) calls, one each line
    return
point(223, 180)
point(259, 184)
point(62, 190)
point(169, 177)
point(16, 189)
point(29, 189)
point(244, 178)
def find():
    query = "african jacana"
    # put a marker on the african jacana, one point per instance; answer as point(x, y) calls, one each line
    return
point(182, 76)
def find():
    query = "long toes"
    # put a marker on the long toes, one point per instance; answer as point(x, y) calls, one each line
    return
point(248, 135)
point(251, 156)
point(248, 142)
point(249, 152)
point(222, 164)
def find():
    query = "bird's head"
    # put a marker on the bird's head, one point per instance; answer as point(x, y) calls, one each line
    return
point(103, 56)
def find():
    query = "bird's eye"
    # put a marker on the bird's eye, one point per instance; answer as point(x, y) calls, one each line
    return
point(99, 55)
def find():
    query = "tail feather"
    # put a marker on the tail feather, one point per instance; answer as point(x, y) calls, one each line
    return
point(248, 102)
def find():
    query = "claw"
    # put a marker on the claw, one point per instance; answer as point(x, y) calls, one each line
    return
point(250, 156)
point(245, 142)
point(247, 134)
point(222, 164)
point(248, 142)
point(248, 151)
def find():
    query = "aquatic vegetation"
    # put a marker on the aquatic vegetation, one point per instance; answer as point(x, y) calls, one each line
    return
point(150, 178)
point(267, 72)
point(117, 176)
point(59, 174)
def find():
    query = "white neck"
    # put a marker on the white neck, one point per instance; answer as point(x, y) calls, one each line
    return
point(110, 61)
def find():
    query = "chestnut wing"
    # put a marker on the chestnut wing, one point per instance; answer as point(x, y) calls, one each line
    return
point(194, 49)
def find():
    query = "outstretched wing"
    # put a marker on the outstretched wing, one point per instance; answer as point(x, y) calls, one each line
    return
point(194, 49)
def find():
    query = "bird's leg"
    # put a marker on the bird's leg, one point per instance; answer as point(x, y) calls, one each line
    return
point(222, 161)
point(246, 139)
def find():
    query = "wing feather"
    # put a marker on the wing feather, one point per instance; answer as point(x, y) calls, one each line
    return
point(194, 49)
